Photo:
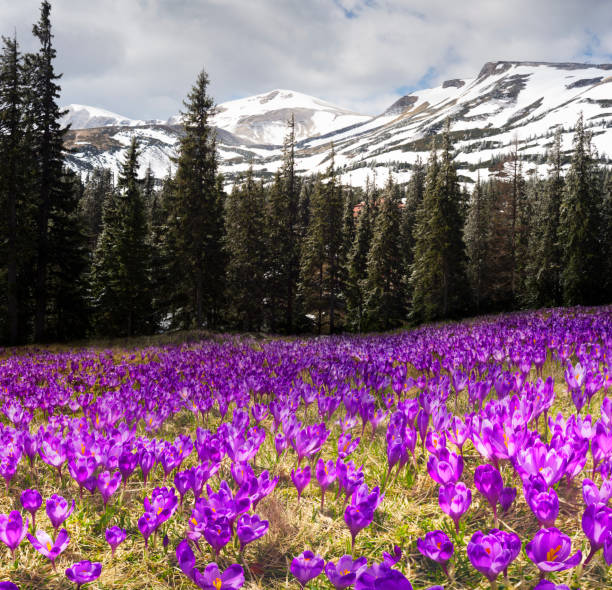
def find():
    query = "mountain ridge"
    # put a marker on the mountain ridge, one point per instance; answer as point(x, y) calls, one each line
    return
point(505, 98)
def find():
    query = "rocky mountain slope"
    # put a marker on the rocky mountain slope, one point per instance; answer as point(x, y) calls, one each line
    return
point(506, 102)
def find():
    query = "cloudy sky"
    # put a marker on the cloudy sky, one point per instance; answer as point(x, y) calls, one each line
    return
point(140, 57)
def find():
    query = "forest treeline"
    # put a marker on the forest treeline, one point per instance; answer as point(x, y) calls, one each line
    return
point(99, 256)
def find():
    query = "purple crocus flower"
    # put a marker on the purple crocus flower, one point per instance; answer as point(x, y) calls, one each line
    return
point(591, 494)
point(489, 483)
point(545, 505)
point(84, 572)
point(31, 500)
point(454, 500)
point(506, 498)
point(550, 550)
point(12, 530)
point(108, 484)
point(446, 467)
point(546, 585)
point(346, 444)
point(147, 523)
point(218, 533)
point(301, 478)
point(306, 566)
point(382, 577)
point(8, 586)
point(360, 512)
point(250, 528)
point(391, 560)
point(596, 524)
point(183, 481)
point(491, 554)
point(325, 473)
point(211, 579)
point(344, 573)
point(114, 537)
point(436, 546)
point(58, 510)
point(45, 545)
point(146, 462)
point(81, 469)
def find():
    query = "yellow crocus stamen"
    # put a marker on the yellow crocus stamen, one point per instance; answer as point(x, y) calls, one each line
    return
point(217, 583)
point(551, 554)
point(49, 546)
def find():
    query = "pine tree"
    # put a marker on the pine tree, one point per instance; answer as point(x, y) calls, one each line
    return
point(195, 223)
point(438, 277)
point(414, 198)
point(282, 234)
point(321, 260)
point(544, 266)
point(47, 136)
point(605, 224)
point(98, 187)
point(357, 265)
point(385, 296)
point(245, 247)
point(578, 224)
point(477, 239)
point(121, 267)
point(13, 175)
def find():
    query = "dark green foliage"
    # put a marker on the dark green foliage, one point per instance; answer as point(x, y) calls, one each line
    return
point(605, 233)
point(283, 241)
point(321, 257)
point(578, 227)
point(47, 143)
point(438, 277)
point(543, 284)
point(13, 194)
point(98, 187)
point(121, 266)
point(384, 287)
point(195, 221)
point(477, 241)
point(245, 247)
point(357, 265)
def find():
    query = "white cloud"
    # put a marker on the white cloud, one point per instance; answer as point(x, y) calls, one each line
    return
point(140, 57)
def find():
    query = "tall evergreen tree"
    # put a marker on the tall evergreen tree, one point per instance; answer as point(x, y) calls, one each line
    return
point(245, 247)
point(357, 265)
point(605, 224)
point(414, 198)
point(321, 258)
point(13, 178)
point(544, 266)
point(477, 238)
point(385, 297)
point(121, 266)
point(282, 234)
point(578, 224)
point(195, 223)
point(48, 136)
point(438, 277)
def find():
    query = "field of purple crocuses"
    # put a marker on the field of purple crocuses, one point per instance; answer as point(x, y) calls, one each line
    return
point(468, 455)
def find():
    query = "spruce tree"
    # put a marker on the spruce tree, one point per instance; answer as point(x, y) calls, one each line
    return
point(121, 266)
point(195, 223)
point(384, 288)
point(476, 236)
point(438, 277)
point(414, 197)
point(544, 262)
point(13, 178)
point(98, 187)
point(245, 247)
point(48, 137)
point(605, 224)
point(282, 233)
point(578, 224)
point(357, 265)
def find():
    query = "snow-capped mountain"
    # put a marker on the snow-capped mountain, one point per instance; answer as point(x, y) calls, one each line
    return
point(80, 116)
point(506, 102)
